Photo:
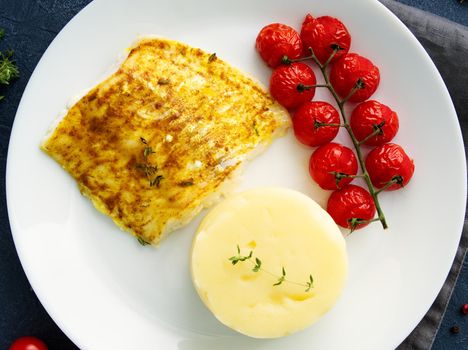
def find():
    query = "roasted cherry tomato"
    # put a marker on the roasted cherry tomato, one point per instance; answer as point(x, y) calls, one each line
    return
point(28, 343)
point(351, 207)
point(329, 165)
point(374, 117)
point(387, 163)
point(307, 123)
point(322, 34)
point(353, 70)
point(290, 84)
point(277, 40)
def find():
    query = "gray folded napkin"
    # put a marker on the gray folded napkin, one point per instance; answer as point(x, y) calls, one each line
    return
point(447, 44)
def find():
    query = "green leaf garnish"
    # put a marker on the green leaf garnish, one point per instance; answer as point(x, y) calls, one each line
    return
point(212, 57)
point(142, 241)
point(281, 279)
point(147, 152)
point(236, 258)
point(258, 267)
point(310, 283)
point(8, 69)
point(156, 181)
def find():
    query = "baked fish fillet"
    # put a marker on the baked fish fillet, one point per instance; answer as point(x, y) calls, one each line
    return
point(158, 140)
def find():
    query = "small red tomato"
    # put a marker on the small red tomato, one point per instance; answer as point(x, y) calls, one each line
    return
point(329, 165)
point(389, 162)
point(291, 84)
point(371, 116)
point(350, 206)
point(277, 40)
point(307, 119)
point(352, 70)
point(28, 343)
point(322, 34)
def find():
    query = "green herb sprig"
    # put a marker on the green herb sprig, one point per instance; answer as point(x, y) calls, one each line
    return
point(254, 125)
point(148, 169)
point(142, 241)
point(8, 68)
point(280, 279)
point(212, 57)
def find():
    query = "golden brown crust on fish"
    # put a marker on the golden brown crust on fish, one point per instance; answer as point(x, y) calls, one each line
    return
point(153, 142)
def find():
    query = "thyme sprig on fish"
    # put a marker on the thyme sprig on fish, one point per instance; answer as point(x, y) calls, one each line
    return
point(156, 180)
point(212, 57)
point(142, 241)
point(148, 169)
point(280, 279)
point(254, 125)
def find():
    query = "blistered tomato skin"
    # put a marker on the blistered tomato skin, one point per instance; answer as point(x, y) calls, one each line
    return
point(346, 72)
point(323, 32)
point(386, 162)
point(284, 84)
point(277, 40)
point(350, 202)
point(330, 158)
point(305, 119)
point(370, 113)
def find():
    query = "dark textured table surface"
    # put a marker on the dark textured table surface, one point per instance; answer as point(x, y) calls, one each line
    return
point(30, 26)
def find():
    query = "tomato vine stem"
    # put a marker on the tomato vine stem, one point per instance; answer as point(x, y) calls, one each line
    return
point(355, 222)
point(377, 131)
point(320, 125)
point(393, 181)
point(357, 146)
point(302, 87)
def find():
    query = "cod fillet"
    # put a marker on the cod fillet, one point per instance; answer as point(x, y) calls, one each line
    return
point(158, 140)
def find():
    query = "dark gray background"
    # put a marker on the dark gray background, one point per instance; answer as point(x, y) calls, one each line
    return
point(30, 26)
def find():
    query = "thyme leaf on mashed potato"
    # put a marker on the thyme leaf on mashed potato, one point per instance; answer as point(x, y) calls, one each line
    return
point(280, 279)
point(236, 258)
point(258, 264)
point(310, 283)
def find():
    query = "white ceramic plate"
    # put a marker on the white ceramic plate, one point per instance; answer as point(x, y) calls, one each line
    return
point(107, 292)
